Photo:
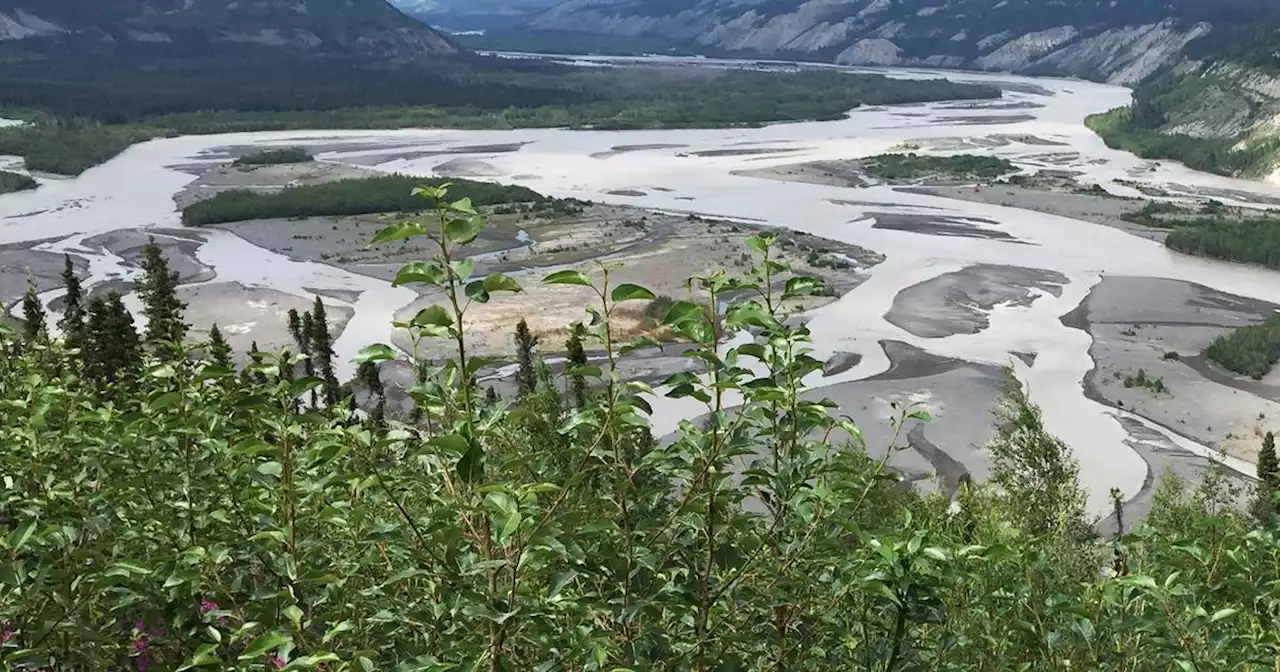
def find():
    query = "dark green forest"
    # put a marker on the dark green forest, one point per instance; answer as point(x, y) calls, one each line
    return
point(269, 157)
point(1125, 129)
point(1246, 240)
point(89, 117)
point(356, 196)
point(166, 508)
point(10, 182)
point(1250, 351)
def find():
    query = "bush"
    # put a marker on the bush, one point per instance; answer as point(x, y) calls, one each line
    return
point(10, 182)
point(1249, 351)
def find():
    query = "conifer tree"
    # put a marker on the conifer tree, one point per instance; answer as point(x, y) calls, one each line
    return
point(367, 374)
point(255, 356)
point(295, 328)
point(576, 356)
point(33, 312)
point(159, 293)
point(219, 349)
point(526, 378)
point(1268, 486)
point(322, 351)
point(72, 322)
point(113, 346)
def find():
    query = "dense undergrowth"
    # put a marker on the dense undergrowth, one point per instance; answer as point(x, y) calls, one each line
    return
point(182, 516)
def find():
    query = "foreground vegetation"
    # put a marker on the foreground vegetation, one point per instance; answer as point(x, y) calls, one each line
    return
point(80, 131)
point(896, 167)
point(268, 157)
point(176, 515)
point(11, 182)
point(354, 196)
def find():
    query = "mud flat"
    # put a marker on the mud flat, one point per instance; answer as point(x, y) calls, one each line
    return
point(178, 245)
point(658, 251)
point(20, 262)
point(246, 315)
point(1159, 327)
point(960, 302)
point(214, 178)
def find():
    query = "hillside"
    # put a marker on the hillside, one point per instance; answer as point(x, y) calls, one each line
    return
point(1207, 68)
point(367, 28)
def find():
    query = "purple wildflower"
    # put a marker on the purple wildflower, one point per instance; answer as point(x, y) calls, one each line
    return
point(143, 662)
point(5, 636)
point(207, 605)
point(277, 661)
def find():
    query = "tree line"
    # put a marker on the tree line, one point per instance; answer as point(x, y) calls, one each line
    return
point(187, 515)
point(11, 182)
point(353, 196)
point(87, 120)
point(1254, 240)
point(269, 157)
point(1249, 351)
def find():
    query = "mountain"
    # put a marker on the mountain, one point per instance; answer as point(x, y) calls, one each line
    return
point(473, 15)
point(1204, 69)
point(366, 28)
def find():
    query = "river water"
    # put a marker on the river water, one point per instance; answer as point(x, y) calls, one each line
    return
point(135, 190)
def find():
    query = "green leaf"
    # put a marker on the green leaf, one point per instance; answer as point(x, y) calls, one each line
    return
point(683, 311)
point(802, 286)
point(1221, 614)
point(463, 205)
point(463, 269)
point(19, 537)
point(497, 282)
point(471, 464)
point(437, 192)
point(761, 242)
point(205, 655)
point(559, 581)
point(294, 614)
point(463, 231)
point(164, 401)
point(378, 352)
point(629, 292)
point(568, 277)
point(265, 643)
point(433, 316)
point(476, 292)
point(454, 443)
point(344, 626)
point(419, 272)
point(271, 468)
point(399, 231)
point(304, 385)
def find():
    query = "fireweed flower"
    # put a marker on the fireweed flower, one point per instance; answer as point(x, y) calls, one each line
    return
point(277, 661)
point(207, 605)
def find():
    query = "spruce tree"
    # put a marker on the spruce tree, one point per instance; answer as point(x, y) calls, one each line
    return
point(322, 351)
point(1268, 479)
point(367, 374)
point(112, 343)
point(159, 293)
point(255, 357)
point(295, 328)
point(526, 378)
point(35, 328)
point(576, 356)
point(72, 322)
point(219, 350)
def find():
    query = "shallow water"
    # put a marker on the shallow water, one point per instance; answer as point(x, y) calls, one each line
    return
point(673, 171)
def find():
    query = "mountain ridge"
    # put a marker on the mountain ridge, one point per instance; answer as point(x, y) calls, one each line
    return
point(364, 28)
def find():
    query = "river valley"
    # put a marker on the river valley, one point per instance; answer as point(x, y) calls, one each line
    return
point(966, 287)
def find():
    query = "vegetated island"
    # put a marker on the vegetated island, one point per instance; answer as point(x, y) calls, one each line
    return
point(274, 157)
point(911, 167)
point(353, 196)
point(73, 133)
point(1249, 351)
point(11, 182)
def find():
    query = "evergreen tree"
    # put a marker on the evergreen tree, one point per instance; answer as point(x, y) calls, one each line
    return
point(322, 351)
point(33, 312)
point(159, 293)
point(1268, 486)
point(113, 346)
point(72, 322)
point(367, 375)
point(219, 350)
point(526, 378)
point(255, 356)
point(576, 356)
point(295, 329)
